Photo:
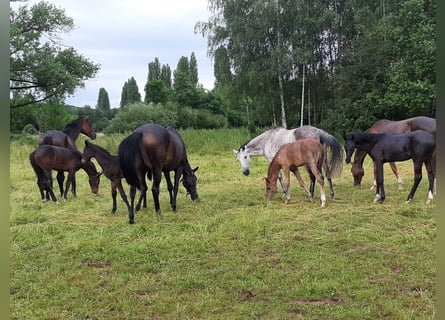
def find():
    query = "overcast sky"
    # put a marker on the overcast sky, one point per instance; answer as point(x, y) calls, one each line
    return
point(123, 36)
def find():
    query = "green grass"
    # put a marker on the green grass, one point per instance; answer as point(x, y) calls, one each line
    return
point(225, 256)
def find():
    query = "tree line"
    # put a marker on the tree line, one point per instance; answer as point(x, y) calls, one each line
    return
point(338, 65)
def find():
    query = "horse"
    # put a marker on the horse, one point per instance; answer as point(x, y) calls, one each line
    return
point(110, 168)
point(46, 158)
point(290, 156)
point(67, 139)
point(269, 142)
point(387, 126)
point(418, 145)
point(160, 150)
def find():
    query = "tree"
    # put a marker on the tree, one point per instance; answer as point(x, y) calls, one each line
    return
point(166, 76)
point(154, 70)
point(184, 90)
point(193, 66)
point(43, 70)
point(103, 101)
point(130, 93)
point(156, 92)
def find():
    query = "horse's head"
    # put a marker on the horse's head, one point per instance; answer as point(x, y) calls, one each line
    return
point(189, 182)
point(243, 158)
point(271, 188)
point(357, 173)
point(87, 128)
point(93, 175)
point(349, 146)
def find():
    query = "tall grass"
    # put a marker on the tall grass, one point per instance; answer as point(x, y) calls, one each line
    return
point(225, 256)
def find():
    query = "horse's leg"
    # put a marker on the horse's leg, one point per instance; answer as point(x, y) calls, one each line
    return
point(48, 186)
point(113, 196)
point(296, 172)
point(122, 192)
point(178, 175)
point(60, 179)
point(73, 185)
point(312, 184)
point(431, 181)
point(131, 206)
point(320, 179)
point(374, 183)
point(380, 190)
point(157, 176)
point(287, 184)
point(417, 179)
point(280, 178)
point(170, 189)
point(143, 190)
point(396, 173)
point(69, 181)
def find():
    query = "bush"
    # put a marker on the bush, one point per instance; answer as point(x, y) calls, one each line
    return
point(30, 129)
point(134, 115)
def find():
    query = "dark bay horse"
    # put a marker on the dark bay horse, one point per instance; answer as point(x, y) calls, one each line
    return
point(160, 150)
point(110, 168)
point(290, 156)
point(67, 139)
point(418, 145)
point(269, 142)
point(387, 126)
point(47, 158)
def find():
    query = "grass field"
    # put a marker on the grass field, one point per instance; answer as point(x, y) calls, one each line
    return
point(225, 256)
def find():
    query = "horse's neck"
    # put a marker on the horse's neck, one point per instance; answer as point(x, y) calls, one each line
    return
point(367, 142)
point(272, 172)
point(73, 133)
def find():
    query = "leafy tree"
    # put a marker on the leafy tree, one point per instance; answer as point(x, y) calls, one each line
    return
point(156, 92)
point(130, 93)
point(41, 68)
point(103, 101)
point(154, 70)
point(166, 76)
point(184, 90)
point(193, 66)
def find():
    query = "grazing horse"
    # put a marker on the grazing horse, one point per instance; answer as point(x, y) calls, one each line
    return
point(289, 157)
point(387, 126)
point(269, 142)
point(110, 168)
point(418, 145)
point(67, 139)
point(47, 158)
point(160, 150)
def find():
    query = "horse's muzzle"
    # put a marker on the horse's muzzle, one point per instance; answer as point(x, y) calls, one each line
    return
point(246, 172)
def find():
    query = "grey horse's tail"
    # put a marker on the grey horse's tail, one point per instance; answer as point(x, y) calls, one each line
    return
point(334, 154)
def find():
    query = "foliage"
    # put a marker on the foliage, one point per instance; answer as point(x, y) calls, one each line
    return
point(41, 68)
point(103, 101)
point(156, 92)
point(228, 255)
point(376, 58)
point(136, 114)
point(130, 93)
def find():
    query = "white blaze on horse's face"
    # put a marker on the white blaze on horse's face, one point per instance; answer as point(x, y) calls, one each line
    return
point(244, 159)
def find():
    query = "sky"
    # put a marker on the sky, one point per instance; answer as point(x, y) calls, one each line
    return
point(123, 36)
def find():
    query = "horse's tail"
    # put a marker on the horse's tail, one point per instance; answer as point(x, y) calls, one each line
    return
point(129, 150)
point(47, 139)
point(334, 154)
point(39, 172)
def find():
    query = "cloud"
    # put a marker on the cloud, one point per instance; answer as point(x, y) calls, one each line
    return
point(124, 36)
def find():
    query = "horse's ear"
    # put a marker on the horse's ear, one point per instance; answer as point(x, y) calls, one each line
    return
point(234, 151)
point(196, 169)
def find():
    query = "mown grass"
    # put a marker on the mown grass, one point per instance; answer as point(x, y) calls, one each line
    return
point(225, 256)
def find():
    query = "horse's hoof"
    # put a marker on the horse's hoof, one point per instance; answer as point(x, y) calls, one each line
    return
point(131, 222)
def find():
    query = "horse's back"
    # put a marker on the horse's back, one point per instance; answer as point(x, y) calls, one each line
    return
point(423, 123)
point(55, 138)
point(57, 158)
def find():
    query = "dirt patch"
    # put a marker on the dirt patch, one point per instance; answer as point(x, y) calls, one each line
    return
point(324, 301)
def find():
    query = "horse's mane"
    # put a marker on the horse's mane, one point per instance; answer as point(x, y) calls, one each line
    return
point(72, 124)
point(101, 149)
